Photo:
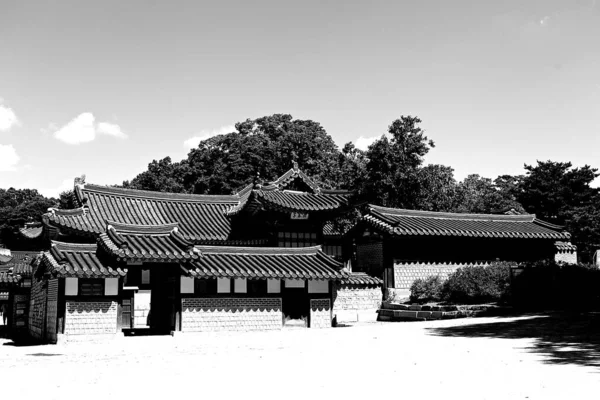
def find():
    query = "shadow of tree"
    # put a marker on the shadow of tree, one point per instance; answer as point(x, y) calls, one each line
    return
point(563, 338)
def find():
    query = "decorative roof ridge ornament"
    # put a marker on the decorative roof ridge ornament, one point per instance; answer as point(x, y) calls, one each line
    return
point(139, 229)
point(402, 212)
point(103, 190)
point(272, 251)
point(257, 182)
point(80, 180)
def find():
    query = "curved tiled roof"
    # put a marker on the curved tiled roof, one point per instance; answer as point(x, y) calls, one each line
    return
point(19, 263)
point(565, 246)
point(200, 217)
point(8, 278)
point(298, 201)
point(274, 195)
point(31, 232)
point(265, 263)
point(158, 243)
point(410, 222)
point(5, 258)
point(361, 279)
point(291, 175)
point(78, 261)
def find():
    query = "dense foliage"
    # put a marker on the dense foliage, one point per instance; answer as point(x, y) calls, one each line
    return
point(478, 284)
point(467, 285)
point(426, 290)
point(264, 148)
point(18, 206)
point(551, 285)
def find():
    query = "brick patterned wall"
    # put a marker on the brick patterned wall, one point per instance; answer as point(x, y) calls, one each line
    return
point(348, 297)
point(90, 317)
point(566, 256)
point(369, 257)
point(320, 313)
point(355, 303)
point(234, 314)
point(51, 310)
point(37, 309)
point(405, 273)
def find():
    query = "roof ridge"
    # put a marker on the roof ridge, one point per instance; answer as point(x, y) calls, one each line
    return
point(65, 246)
point(66, 211)
point(310, 250)
point(449, 215)
point(140, 229)
point(166, 196)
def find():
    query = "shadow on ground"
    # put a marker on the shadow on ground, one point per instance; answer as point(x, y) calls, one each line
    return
point(564, 338)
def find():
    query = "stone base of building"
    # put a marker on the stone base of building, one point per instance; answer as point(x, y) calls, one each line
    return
point(354, 303)
point(231, 314)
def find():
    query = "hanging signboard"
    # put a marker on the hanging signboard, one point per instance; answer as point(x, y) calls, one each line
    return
point(296, 215)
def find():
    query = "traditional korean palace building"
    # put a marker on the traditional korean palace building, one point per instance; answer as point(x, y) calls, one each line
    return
point(136, 261)
point(271, 256)
point(404, 245)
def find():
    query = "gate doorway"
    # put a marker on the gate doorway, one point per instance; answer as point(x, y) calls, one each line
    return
point(295, 304)
point(155, 304)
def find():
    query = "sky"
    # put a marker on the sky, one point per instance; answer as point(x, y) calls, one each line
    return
point(103, 88)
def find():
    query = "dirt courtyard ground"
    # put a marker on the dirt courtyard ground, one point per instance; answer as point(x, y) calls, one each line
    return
point(527, 357)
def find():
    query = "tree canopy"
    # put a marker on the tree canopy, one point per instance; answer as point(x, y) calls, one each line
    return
point(558, 193)
point(263, 147)
point(18, 206)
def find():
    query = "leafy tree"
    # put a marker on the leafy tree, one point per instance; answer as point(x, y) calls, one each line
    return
point(65, 200)
point(350, 169)
point(558, 193)
point(437, 188)
point(18, 206)
point(392, 165)
point(265, 147)
point(161, 176)
point(476, 194)
point(550, 188)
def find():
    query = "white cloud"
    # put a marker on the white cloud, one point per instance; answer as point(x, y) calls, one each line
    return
point(363, 143)
point(8, 158)
point(8, 118)
point(66, 184)
point(83, 129)
point(80, 130)
point(107, 128)
point(193, 142)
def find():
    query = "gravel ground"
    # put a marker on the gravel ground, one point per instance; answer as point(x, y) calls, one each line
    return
point(483, 358)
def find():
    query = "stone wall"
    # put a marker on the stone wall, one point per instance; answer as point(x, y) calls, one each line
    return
point(37, 309)
point(320, 313)
point(51, 310)
point(233, 314)
point(405, 273)
point(352, 303)
point(90, 317)
point(569, 257)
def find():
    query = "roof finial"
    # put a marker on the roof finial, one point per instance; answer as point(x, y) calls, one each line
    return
point(80, 180)
point(257, 180)
point(295, 165)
